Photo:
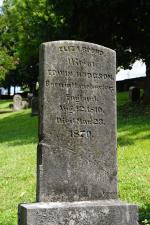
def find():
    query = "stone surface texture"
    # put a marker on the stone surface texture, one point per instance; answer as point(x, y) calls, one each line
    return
point(79, 213)
point(77, 130)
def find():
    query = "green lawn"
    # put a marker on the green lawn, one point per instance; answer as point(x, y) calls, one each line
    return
point(18, 137)
point(134, 155)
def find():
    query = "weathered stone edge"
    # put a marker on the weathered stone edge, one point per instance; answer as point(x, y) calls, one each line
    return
point(76, 204)
point(79, 42)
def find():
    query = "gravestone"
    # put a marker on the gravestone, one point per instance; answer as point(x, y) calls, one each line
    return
point(76, 166)
point(134, 94)
point(25, 104)
point(35, 106)
point(17, 102)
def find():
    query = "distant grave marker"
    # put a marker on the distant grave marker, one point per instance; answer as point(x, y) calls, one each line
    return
point(134, 94)
point(17, 102)
point(76, 166)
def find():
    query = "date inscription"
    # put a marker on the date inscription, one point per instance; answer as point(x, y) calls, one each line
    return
point(81, 133)
point(81, 108)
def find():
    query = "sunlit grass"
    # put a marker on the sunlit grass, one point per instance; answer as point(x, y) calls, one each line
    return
point(18, 137)
point(134, 155)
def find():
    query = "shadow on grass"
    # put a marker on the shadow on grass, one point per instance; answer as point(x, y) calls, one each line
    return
point(5, 111)
point(18, 128)
point(144, 215)
point(124, 141)
point(133, 124)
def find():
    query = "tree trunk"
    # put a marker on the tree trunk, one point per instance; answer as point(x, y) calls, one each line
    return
point(8, 88)
point(146, 97)
point(32, 88)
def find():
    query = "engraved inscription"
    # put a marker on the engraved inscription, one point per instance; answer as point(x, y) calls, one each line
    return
point(81, 108)
point(81, 121)
point(80, 86)
point(60, 73)
point(79, 62)
point(81, 98)
point(95, 75)
point(77, 48)
point(81, 133)
point(77, 74)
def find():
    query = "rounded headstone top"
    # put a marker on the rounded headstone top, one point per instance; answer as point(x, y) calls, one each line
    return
point(17, 98)
point(80, 43)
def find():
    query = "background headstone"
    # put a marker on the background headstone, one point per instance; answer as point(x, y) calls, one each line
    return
point(25, 104)
point(134, 94)
point(76, 161)
point(17, 102)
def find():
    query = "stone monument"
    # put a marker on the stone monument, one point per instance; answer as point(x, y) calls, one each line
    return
point(76, 160)
point(17, 102)
point(134, 94)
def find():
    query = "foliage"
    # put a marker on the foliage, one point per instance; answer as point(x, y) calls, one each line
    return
point(119, 24)
point(7, 63)
point(122, 25)
point(28, 23)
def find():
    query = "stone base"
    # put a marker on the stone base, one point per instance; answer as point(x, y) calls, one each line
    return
point(106, 212)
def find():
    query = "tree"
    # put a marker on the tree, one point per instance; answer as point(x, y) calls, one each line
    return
point(122, 25)
point(29, 23)
point(7, 63)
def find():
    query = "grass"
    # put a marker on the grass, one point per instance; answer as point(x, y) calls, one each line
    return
point(4, 104)
point(134, 155)
point(18, 135)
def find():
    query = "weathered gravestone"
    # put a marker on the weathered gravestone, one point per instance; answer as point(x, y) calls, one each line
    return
point(17, 102)
point(35, 106)
point(77, 168)
point(134, 94)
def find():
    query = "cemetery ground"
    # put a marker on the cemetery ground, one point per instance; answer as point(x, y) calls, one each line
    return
point(18, 141)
